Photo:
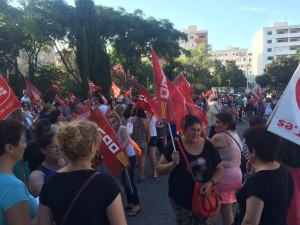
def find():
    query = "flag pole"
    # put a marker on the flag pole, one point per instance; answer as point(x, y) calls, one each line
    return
point(127, 175)
point(174, 149)
point(44, 93)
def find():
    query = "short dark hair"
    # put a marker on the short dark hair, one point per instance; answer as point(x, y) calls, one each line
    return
point(53, 115)
point(189, 120)
point(265, 143)
point(289, 154)
point(256, 120)
point(45, 139)
point(10, 133)
point(226, 118)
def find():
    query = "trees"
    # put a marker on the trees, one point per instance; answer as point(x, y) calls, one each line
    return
point(278, 73)
point(233, 76)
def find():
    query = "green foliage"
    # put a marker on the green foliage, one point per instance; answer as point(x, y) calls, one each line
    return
point(262, 80)
point(298, 54)
point(233, 75)
point(279, 72)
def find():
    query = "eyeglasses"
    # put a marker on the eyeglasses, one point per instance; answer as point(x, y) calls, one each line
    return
point(113, 121)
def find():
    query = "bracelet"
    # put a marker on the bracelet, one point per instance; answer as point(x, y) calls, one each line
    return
point(212, 182)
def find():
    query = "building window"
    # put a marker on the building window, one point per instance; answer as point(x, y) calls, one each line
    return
point(293, 31)
point(269, 49)
point(280, 32)
point(269, 33)
point(269, 41)
point(191, 37)
point(293, 48)
point(293, 39)
point(270, 57)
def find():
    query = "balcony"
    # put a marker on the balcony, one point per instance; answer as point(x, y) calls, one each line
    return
point(200, 40)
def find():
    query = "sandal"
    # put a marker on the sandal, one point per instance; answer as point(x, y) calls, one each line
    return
point(128, 207)
point(134, 213)
point(140, 179)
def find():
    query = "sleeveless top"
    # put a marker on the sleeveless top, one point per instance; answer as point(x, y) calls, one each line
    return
point(129, 148)
point(45, 170)
point(152, 121)
point(139, 133)
point(231, 156)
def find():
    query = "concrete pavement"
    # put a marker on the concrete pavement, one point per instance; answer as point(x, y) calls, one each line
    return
point(153, 192)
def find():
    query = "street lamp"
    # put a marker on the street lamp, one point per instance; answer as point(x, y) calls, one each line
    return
point(247, 68)
point(229, 84)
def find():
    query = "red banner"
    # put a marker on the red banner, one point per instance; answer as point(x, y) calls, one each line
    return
point(127, 93)
point(115, 89)
point(33, 93)
point(170, 102)
point(103, 99)
point(93, 88)
point(257, 95)
point(114, 158)
point(184, 86)
point(61, 100)
point(72, 98)
point(55, 87)
point(86, 110)
point(146, 102)
point(8, 100)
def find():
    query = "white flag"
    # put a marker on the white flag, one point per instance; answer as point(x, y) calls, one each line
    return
point(286, 120)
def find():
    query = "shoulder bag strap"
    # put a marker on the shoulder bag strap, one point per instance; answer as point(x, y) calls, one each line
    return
point(77, 196)
point(234, 140)
point(187, 162)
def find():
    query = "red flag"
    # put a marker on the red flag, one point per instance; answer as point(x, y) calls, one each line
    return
point(114, 157)
point(103, 99)
point(171, 104)
point(127, 93)
point(8, 100)
point(55, 87)
point(115, 89)
point(184, 86)
point(86, 110)
point(93, 88)
point(33, 93)
point(146, 102)
point(257, 95)
point(61, 100)
point(72, 98)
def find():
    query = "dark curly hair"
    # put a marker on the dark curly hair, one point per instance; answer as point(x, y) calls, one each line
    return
point(53, 116)
point(10, 133)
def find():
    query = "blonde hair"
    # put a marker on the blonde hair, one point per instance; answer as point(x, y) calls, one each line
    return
point(119, 110)
point(116, 117)
point(76, 138)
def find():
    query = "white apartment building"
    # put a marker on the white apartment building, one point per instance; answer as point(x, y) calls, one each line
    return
point(280, 39)
point(195, 37)
point(241, 56)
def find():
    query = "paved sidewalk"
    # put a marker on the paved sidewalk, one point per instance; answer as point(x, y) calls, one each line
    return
point(155, 206)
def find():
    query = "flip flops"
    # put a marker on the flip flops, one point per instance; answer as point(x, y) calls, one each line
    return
point(134, 213)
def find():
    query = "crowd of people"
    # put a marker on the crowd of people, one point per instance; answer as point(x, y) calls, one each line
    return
point(47, 174)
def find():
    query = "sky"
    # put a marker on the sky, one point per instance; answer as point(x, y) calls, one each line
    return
point(229, 22)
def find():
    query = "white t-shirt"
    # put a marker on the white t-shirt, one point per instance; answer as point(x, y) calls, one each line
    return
point(152, 121)
point(103, 108)
point(23, 99)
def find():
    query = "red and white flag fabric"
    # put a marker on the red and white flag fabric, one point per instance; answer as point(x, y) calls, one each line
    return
point(103, 99)
point(33, 92)
point(210, 94)
point(115, 89)
point(146, 102)
point(55, 87)
point(184, 86)
point(8, 100)
point(92, 87)
point(127, 93)
point(72, 98)
point(61, 100)
point(285, 120)
point(86, 110)
point(257, 95)
point(170, 102)
point(114, 157)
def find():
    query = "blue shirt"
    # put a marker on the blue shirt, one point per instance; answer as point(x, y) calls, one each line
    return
point(13, 191)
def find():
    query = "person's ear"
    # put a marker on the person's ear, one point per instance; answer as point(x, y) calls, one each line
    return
point(43, 151)
point(9, 148)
